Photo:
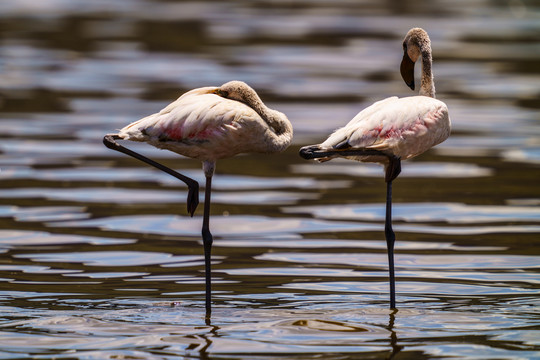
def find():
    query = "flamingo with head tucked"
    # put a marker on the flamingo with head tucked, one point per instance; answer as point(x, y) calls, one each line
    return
point(208, 124)
point(392, 130)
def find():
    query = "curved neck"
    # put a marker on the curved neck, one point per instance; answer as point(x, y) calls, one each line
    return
point(427, 87)
point(275, 120)
point(278, 123)
point(281, 127)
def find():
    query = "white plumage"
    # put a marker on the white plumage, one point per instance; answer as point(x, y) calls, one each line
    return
point(404, 127)
point(212, 123)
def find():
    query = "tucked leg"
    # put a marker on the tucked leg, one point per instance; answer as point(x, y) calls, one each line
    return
point(314, 152)
point(193, 186)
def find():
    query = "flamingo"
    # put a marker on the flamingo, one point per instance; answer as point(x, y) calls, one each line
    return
point(392, 130)
point(208, 124)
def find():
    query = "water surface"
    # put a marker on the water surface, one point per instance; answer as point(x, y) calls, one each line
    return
point(99, 259)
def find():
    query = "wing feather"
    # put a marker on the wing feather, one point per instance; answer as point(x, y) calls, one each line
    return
point(405, 127)
point(215, 124)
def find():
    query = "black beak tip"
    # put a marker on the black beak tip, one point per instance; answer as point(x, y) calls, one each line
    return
point(410, 85)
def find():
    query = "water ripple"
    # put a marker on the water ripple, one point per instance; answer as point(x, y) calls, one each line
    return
point(310, 243)
point(406, 261)
point(147, 174)
point(415, 288)
point(261, 226)
point(44, 213)
point(453, 213)
point(145, 196)
point(412, 169)
point(109, 258)
point(117, 275)
point(20, 238)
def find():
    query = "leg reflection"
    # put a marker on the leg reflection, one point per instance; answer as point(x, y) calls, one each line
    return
point(393, 335)
point(207, 338)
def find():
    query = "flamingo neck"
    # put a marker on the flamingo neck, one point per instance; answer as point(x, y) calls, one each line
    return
point(427, 86)
point(281, 128)
point(278, 123)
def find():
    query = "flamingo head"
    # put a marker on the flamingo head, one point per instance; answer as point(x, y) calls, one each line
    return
point(236, 90)
point(415, 44)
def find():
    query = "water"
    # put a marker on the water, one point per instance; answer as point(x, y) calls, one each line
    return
point(99, 259)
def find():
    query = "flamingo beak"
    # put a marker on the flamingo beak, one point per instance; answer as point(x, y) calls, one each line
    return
point(407, 70)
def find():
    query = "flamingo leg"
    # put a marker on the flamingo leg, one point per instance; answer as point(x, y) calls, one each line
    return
point(207, 244)
point(390, 240)
point(193, 186)
point(392, 171)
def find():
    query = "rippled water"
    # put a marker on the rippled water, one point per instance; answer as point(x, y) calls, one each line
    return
point(99, 259)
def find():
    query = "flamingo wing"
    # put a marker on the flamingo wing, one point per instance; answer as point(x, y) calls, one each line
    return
point(199, 124)
point(404, 127)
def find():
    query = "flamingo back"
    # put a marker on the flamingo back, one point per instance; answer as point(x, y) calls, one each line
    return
point(404, 127)
point(201, 125)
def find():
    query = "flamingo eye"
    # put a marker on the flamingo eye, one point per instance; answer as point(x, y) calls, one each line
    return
point(222, 93)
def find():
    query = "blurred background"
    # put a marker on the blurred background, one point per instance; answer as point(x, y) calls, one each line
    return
point(95, 246)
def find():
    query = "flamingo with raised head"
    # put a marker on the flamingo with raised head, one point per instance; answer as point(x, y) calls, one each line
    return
point(392, 130)
point(208, 124)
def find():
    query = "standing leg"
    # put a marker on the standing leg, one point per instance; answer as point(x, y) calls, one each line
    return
point(393, 168)
point(392, 171)
point(390, 239)
point(193, 186)
point(207, 244)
